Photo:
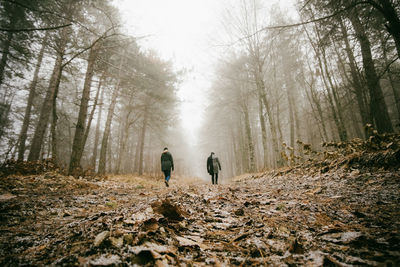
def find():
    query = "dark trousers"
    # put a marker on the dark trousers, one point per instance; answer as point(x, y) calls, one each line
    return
point(216, 178)
point(167, 175)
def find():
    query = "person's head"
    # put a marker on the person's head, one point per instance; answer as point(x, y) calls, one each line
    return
point(165, 149)
point(212, 153)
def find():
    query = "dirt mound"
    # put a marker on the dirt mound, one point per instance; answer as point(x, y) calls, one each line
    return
point(379, 151)
point(18, 167)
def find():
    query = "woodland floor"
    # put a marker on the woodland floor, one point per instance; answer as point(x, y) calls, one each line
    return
point(338, 218)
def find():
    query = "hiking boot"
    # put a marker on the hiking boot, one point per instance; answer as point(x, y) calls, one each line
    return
point(166, 183)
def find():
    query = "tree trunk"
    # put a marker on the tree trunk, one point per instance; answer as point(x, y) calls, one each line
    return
point(336, 103)
point(120, 144)
point(137, 152)
point(331, 91)
point(291, 115)
point(355, 125)
point(243, 151)
point(317, 110)
point(45, 111)
point(6, 52)
point(296, 120)
point(320, 123)
point(233, 159)
point(142, 140)
point(317, 52)
point(54, 151)
point(339, 128)
point(109, 157)
point(91, 116)
point(4, 107)
point(97, 134)
point(28, 109)
point(263, 132)
point(356, 82)
point(377, 105)
point(249, 139)
point(261, 91)
point(389, 12)
point(395, 89)
point(124, 136)
point(78, 143)
point(104, 142)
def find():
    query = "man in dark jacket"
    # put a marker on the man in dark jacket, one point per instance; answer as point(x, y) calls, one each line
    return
point(213, 166)
point(167, 163)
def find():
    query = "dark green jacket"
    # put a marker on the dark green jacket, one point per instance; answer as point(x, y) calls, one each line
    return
point(167, 162)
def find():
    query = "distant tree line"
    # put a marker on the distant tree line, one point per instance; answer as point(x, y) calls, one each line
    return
point(76, 89)
point(281, 83)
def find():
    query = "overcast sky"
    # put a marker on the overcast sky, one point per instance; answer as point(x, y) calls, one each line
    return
point(186, 32)
point(180, 30)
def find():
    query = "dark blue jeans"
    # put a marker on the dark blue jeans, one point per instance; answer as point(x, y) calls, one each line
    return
point(216, 178)
point(167, 175)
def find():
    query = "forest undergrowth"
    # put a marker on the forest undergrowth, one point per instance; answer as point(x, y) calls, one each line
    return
point(339, 207)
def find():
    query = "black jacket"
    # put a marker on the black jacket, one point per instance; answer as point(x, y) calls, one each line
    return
point(167, 162)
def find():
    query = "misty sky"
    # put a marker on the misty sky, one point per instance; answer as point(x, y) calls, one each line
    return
point(188, 32)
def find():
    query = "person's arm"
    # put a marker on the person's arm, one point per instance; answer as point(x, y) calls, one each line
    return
point(172, 162)
point(219, 164)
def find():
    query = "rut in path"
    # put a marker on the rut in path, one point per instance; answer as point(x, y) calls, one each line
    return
point(335, 218)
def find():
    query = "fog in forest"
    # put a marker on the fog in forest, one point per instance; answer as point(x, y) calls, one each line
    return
point(103, 86)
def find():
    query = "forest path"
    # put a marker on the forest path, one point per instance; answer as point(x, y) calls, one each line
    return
point(330, 219)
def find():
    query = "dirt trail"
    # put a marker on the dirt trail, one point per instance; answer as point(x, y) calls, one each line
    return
point(332, 219)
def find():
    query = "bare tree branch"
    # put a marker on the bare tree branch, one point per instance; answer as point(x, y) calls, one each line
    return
point(303, 22)
point(35, 29)
point(387, 67)
point(103, 36)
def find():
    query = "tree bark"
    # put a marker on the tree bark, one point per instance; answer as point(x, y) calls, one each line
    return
point(45, 111)
point(356, 81)
point(389, 12)
point(392, 82)
point(331, 90)
point(104, 142)
point(261, 90)
point(249, 139)
point(109, 156)
point(377, 103)
point(97, 134)
point(142, 140)
point(28, 109)
point(320, 122)
point(243, 151)
point(54, 150)
point(78, 143)
point(313, 95)
point(120, 145)
point(263, 132)
point(341, 133)
point(290, 110)
point(124, 135)
point(335, 102)
point(6, 52)
point(91, 116)
point(137, 152)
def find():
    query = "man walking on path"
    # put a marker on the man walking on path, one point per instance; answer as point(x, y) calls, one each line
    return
point(213, 166)
point(167, 163)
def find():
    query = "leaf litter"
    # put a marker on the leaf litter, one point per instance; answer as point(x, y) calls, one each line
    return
point(297, 217)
